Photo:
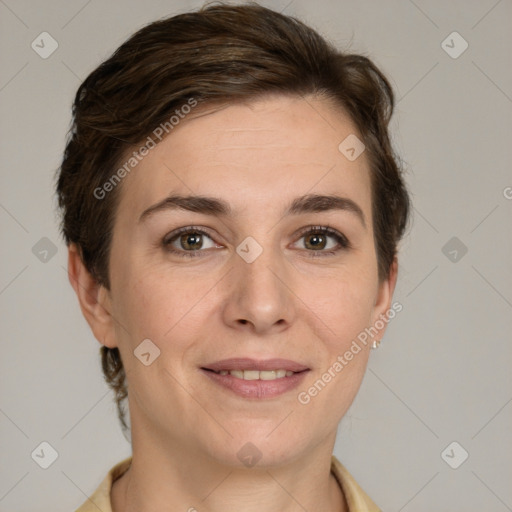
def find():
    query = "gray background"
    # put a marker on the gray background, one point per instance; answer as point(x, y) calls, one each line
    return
point(442, 373)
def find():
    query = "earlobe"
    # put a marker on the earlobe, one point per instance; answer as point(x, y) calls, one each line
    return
point(94, 299)
point(383, 301)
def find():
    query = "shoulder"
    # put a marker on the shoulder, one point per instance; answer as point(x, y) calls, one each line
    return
point(100, 499)
point(357, 499)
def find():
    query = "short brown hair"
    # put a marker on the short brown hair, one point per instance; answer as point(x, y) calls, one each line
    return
point(221, 53)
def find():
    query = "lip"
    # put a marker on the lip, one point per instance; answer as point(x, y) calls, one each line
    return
point(259, 389)
point(246, 363)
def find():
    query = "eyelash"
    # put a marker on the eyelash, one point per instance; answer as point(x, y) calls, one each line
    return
point(309, 230)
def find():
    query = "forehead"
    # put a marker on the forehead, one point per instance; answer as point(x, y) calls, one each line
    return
point(258, 156)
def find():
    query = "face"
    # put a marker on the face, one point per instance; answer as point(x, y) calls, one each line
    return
point(264, 269)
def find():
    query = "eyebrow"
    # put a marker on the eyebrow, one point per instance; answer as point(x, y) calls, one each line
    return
point(310, 203)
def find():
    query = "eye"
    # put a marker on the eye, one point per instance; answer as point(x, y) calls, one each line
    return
point(187, 241)
point(316, 239)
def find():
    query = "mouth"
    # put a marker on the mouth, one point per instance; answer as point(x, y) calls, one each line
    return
point(256, 374)
point(251, 378)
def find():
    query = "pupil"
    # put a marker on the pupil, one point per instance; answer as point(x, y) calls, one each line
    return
point(190, 240)
point(317, 241)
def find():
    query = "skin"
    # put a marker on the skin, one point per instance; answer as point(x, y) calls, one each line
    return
point(186, 430)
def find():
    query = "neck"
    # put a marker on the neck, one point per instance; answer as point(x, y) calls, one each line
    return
point(175, 478)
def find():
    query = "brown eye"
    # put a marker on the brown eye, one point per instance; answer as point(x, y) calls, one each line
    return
point(324, 240)
point(188, 241)
point(315, 241)
point(191, 241)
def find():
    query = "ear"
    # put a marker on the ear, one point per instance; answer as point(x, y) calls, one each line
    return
point(94, 299)
point(380, 314)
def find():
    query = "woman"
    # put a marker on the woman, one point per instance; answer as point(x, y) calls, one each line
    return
point(232, 207)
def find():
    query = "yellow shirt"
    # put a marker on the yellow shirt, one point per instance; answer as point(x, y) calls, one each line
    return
point(356, 498)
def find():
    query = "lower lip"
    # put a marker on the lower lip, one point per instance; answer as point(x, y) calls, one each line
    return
point(257, 388)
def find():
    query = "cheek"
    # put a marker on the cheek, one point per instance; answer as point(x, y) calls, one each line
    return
point(342, 311)
point(158, 304)
point(344, 304)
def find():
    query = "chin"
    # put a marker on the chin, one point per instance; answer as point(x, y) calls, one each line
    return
point(256, 447)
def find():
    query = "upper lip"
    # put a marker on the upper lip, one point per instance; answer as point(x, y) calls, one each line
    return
point(245, 363)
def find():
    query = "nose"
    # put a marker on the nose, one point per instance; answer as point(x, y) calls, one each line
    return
point(260, 299)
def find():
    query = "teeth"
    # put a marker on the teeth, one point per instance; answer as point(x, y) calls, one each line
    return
point(251, 374)
point(257, 375)
point(272, 374)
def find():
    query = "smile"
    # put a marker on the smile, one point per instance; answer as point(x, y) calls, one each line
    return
point(257, 375)
point(256, 384)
